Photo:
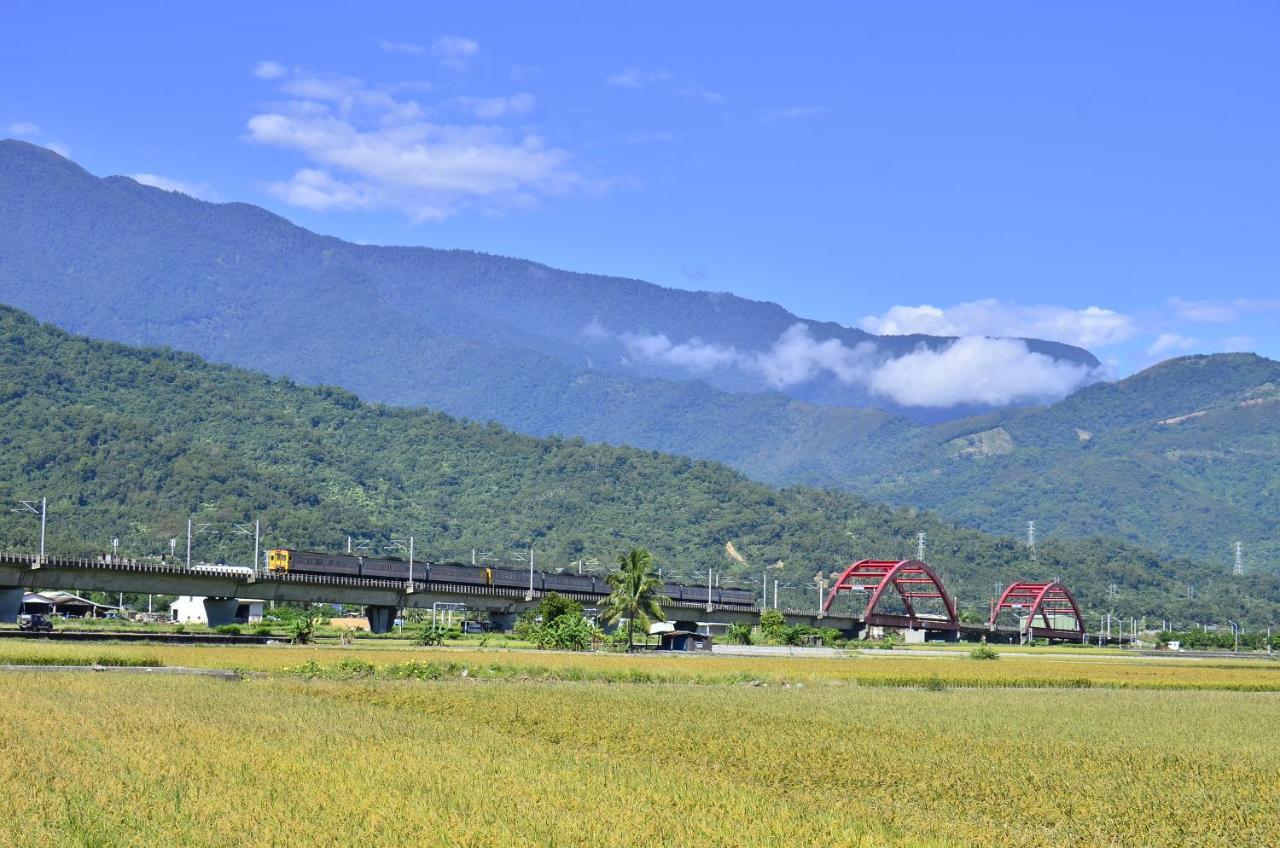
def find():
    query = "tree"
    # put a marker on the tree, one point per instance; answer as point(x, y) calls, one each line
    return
point(738, 634)
point(771, 624)
point(554, 606)
point(637, 593)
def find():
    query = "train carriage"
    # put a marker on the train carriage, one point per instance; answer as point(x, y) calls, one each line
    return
point(514, 579)
point(567, 583)
point(387, 569)
point(455, 572)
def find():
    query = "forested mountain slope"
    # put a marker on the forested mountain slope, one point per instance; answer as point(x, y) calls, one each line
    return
point(1184, 456)
point(484, 337)
point(129, 442)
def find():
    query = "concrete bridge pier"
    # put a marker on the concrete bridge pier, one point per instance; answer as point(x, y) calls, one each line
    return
point(10, 603)
point(381, 618)
point(220, 611)
point(504, 621)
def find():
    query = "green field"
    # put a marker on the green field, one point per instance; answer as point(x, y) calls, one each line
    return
point(550, 749)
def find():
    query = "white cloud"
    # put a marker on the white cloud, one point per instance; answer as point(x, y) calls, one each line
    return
point(1166, 342)
point(794, 113)
point(199, 190)
point(797, 357)
point(269, 70)
point(636, 78)
point(22, 128)
point(698, 91)
point(1089, 327)
point(454, 51)
point(970, 370)
point(683, 86)
point(1219, 311)
point(492, 108)
point(693, 355)
point(401, 47)
point(368, 149)
point(979, 370)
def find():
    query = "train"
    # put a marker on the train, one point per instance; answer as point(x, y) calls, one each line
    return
point(292, 561)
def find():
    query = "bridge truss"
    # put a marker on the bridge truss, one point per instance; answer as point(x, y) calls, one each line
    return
point(912, 580)
point(1052, 602)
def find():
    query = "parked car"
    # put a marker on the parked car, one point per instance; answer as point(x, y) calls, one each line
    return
point(35, 623)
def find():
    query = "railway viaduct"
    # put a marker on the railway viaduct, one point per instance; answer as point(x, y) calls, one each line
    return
point(913, 583)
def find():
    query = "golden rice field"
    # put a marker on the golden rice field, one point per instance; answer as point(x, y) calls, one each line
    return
point(115, 759)
point(890, 668)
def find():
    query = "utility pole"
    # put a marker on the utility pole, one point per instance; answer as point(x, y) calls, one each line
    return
point(243, 530)
point(709, 604)
point(30, 506)
point(411, 563)
point(188, 543)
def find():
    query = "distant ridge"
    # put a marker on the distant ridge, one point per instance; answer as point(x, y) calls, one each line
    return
point(128, 443)
point(485, 337)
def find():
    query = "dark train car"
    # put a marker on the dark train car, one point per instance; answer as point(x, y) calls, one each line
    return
point(514, 579)
point(456, 572)
point(740, 597)
point(672, 591)
point(567, 582)
point(313, 562)
point(388, 569)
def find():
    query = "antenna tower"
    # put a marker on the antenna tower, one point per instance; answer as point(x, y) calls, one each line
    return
point(1031, 541)
point(1238, 569)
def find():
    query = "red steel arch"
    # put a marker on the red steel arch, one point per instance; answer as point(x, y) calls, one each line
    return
point(1048, 600)
point(912, 579)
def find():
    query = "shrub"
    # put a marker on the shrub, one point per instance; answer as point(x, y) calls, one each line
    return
point(566, 634)
point(303, 627)
point(738, 634)
point(228, 629)
point(430, 636)
point(771, 624)
point(984, 652)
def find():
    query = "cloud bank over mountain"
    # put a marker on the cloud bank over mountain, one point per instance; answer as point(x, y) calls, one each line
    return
point(968, 370)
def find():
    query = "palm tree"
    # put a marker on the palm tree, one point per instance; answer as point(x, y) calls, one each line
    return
point(637, 593)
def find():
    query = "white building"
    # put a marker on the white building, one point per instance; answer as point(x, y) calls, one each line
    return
point(189, 609)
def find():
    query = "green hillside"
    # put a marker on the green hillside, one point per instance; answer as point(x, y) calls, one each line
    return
point(129, 442)
point(1182, 457)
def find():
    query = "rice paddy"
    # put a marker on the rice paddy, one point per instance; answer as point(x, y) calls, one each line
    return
point(558, 750)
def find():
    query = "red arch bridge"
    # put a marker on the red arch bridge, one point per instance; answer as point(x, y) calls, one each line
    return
point(923, 603)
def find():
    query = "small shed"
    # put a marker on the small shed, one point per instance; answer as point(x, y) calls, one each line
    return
point(64, 604)
point(684, 640)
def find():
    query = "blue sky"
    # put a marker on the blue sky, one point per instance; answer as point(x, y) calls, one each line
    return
point(1105, 174)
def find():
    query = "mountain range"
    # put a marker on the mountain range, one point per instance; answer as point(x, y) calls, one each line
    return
point(1181, 458)
point(129, 443)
